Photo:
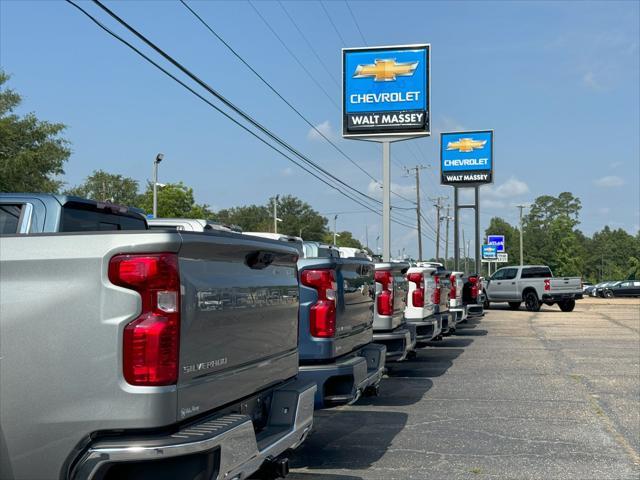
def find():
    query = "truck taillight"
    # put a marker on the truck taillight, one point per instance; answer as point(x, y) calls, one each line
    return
point(436, 291)
point(322, 316)
point(452, 291)
point(151, 341)
point(385, 298)
point(417, 297)
point(474, 287)
point(547, 284)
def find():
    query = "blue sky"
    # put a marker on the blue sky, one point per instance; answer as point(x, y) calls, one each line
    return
point(557, 81)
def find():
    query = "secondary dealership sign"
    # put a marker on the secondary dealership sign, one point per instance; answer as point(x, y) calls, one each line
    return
point(497, 240)
point(385, 91)
point(466, 158)
point(489, 252)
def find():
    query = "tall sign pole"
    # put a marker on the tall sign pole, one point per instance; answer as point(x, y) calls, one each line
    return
point(386, 98)
point(521, 247)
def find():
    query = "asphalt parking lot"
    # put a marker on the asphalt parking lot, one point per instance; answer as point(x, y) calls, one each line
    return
point(545, 395)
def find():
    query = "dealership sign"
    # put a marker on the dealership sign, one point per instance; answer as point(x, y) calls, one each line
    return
point(385, 91)
point(489, 252)
point(497, 240)
point(466, 158)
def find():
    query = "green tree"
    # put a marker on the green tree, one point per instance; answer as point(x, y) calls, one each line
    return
point(250, 218)
point(103, 186)
point(174, 200)
point(344, 239)
point(298, 218)
point(499, 226)
point(32, 152)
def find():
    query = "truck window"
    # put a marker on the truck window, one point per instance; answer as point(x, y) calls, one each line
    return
point(9, 219)
point(536, 272)
point(510, 273)
point(84, 218)
point(499, 275)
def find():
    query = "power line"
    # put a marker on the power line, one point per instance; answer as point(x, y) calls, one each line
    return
point(286, 47)
point(355, 21)
point(273, 89)
point(230, 104)
point(208, 102)
point(326, 12)
point(309, 44)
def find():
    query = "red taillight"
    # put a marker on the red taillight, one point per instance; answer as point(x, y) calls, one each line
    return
point(474, 286)
point(151, 341)
point(385, 297)
point(452, 291)
point(436, 291)
point(322, 318)
point(547, 284)
point(417, 297)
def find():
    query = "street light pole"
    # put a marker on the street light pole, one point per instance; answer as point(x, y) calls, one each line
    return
point(158, 159)
point(275, 214)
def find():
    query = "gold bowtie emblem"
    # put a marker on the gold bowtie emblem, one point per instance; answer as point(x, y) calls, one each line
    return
point(466, 145)
point(385, 70)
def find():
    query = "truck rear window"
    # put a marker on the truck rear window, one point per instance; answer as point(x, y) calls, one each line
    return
point(536, 272)
point(81, 218)
point(9, 219)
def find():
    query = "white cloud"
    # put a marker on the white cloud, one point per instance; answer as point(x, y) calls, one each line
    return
point(375, 190)
point(511, 188)
point(287, 172)
point(589, 80)
point(609, 181)
point(325, 128)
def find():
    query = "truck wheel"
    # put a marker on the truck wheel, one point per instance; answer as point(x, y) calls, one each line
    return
point(608, 294)
point(567, 305)
point(514, 305)
point(486, 304)
point(531, 302)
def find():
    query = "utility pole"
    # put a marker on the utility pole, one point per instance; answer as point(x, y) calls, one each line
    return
point(335, 232)
point(446, 243)
point(158, 159)
point(275, 214)
point(464, 253)
point(521, 207)
point(366, 236)
point(417, 169)
point(438, 206)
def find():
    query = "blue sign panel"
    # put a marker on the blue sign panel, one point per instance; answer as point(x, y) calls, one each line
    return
point(497, 240)
point(489, 252)
point(466, 158)
point(386, 91)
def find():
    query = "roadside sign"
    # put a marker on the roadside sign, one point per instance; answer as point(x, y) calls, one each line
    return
point(385, 91)
point(497, 240)
point(502, 257)
point(466, 158)
point(489, 252)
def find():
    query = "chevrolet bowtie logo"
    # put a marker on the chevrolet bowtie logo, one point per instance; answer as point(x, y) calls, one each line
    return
point(385, 70)
point(466, 145)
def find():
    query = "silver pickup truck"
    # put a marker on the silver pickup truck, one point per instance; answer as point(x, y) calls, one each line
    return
point(143, 354)
point(533, 285)
point(389, 325)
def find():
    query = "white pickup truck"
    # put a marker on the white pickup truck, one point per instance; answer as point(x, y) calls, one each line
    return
point(533, 285)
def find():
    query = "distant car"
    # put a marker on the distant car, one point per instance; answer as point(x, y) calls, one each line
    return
point(600, 289)
point(586, 285)
point(629, 288)
point(587, 289)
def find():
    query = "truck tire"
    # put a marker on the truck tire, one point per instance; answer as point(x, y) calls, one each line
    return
point(567, 305)
point(531, 302)
point(514, 305)
point(486, 304)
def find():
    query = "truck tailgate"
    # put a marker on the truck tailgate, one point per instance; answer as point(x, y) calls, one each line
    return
point(355, 302)
point(566, 285)
point(239, 323)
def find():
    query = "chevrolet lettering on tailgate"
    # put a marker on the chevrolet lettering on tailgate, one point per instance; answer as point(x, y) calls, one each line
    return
point(386, 91)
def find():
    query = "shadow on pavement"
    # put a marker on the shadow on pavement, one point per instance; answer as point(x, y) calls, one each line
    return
point(347, 438)
point(320, 476)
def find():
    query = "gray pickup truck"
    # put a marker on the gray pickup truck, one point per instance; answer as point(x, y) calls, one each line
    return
point(533, 285)
point(130, 353)
point(389, 324)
